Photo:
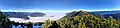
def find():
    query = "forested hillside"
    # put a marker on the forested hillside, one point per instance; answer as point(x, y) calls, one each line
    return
point(83, 20)
point(80, 19)
point(6, 23)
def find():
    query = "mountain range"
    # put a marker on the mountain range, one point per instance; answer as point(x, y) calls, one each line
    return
point(23, 15)
point(105, 14)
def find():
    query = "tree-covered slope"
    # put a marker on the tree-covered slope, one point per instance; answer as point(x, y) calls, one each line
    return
point(77, 13)
point(84, 20)
point(4, 21)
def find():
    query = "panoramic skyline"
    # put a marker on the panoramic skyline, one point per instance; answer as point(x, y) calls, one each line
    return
point(58, 5)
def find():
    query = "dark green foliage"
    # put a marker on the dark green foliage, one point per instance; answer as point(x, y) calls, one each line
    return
point(22, 24)
point(83, 21)
point(55, 25)
point(47, 23)
point(16, 24)
point(35, 24)
point(4, 21)
point(29, 25)
point(38, 24)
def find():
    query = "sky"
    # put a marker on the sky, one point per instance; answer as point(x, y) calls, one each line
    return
point(58, 5)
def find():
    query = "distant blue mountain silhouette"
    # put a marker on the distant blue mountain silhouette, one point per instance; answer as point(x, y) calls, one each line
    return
point(23, 15)
point(106, 14)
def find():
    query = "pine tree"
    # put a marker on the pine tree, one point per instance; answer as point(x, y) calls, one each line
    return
point(83, 21)
point(110, 22)
point(22, 25)
point(47, 23)
point(4, 21)
point(29, 25)
point(16, 24)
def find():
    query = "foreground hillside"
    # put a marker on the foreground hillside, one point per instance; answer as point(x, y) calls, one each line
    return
point(76, 19)
point(83, 20)
point(6, 23)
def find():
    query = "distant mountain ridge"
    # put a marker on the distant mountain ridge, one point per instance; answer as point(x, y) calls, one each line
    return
point(23, 15)
point(106, 14)
point(77, 13)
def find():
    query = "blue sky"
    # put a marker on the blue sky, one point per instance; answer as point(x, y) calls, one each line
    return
point(58, 5)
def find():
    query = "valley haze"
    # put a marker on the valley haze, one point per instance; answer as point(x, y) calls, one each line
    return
point(54, 15)
point(49, 15)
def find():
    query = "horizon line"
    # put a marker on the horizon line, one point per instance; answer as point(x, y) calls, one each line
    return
point(58, 10)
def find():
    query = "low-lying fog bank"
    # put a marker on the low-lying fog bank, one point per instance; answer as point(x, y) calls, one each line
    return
point(49, 15)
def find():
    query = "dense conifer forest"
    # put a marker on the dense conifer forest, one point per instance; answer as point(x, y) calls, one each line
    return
point(83, 21)
point(6, 23)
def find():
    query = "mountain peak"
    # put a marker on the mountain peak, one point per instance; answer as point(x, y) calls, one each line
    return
point(77, 13)
point(83, 12)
